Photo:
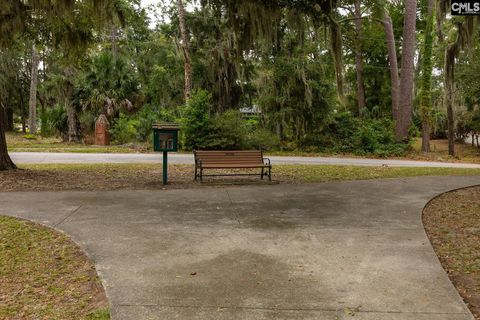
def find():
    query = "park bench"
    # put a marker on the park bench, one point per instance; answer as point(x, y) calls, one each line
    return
point(225, 160)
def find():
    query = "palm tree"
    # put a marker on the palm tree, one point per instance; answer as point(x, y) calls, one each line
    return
point(109, 86)
point(460, 38)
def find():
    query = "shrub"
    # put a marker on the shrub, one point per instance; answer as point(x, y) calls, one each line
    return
point(229, 132)
point(262, 139)
point(377, 137)
point(124, 130)
point(439, 124)
point(87, 122)
point(149, 115)
point(347, 134)
point(197, 126)
point(203, 130)
point(30, 137)
point(54, 122)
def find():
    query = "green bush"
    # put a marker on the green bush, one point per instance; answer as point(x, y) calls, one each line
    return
point(377, 137)
point(54, 122)
point(124, 130)
point(203, 130)
point(229, 132)
point(196, 122)
point(262, 139)
point(149, 115)
point(439, 124)
point(348, 134)
point(87, 122)
point(30, 137)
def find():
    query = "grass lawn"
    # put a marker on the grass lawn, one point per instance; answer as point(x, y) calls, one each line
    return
point(149, 176)
point(464, 152)
point(44, 275)
point(452, 222)
point(17, 142)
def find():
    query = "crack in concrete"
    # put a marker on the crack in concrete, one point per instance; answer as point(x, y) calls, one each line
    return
point(288, 309)
point(68, 216)
point(237, 217)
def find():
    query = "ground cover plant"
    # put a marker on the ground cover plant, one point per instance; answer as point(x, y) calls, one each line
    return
point(452, 222)
point(44, 275)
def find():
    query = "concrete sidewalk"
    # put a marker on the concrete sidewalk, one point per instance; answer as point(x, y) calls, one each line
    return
point(183, 158)
point(344, 250)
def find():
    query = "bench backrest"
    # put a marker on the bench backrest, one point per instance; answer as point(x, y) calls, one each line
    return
point(229, 157)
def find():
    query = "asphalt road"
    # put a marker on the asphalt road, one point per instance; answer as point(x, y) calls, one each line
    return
point(181, 158)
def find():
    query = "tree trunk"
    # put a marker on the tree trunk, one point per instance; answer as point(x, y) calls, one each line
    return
point(337, 52)
point(359, 59)
point(72, 117)
point(114, 34)
point(392, 57)
point(23, 112)
point(9, 120)
point(426, 134)
point(449, 75)
point(5, 162)
point(426, 84)
point(449, 71)
point(451, 123)
point(32, 104)
point(406, 80)
point(73, 134)
point(8, 124)
point(186, 50)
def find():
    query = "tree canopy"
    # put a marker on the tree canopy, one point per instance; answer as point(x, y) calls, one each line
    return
point(315, 75)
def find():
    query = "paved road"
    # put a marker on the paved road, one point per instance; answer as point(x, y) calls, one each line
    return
point(38, 157)
point(343, 250)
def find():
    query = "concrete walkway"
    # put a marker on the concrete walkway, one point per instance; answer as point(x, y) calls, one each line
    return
point(344, 250)
point(181, 158)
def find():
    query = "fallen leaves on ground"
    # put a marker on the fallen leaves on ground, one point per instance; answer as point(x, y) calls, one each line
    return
point(149, 176)
point(452, 222)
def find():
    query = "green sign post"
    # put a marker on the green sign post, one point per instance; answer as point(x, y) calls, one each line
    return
point(165, 139)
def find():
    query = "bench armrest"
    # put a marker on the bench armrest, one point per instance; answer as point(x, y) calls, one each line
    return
point(266, 161)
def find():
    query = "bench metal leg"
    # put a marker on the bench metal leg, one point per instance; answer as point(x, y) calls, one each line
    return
point(196, 174)
point(201, 175)
point(270, 174)
point(261, 176)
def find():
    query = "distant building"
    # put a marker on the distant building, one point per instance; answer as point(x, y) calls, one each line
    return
point(250, 112)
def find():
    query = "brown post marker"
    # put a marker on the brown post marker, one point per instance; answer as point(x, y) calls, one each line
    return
point(102, 136)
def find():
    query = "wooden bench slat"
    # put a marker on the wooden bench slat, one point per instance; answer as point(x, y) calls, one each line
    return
point(233, 166)
point(229, 158)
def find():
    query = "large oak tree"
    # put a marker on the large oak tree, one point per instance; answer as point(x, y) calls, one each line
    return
point(68, 23)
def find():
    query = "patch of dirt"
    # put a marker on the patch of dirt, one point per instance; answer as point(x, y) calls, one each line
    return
point(111, 177)
point(102, 177)
point(452, 222)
